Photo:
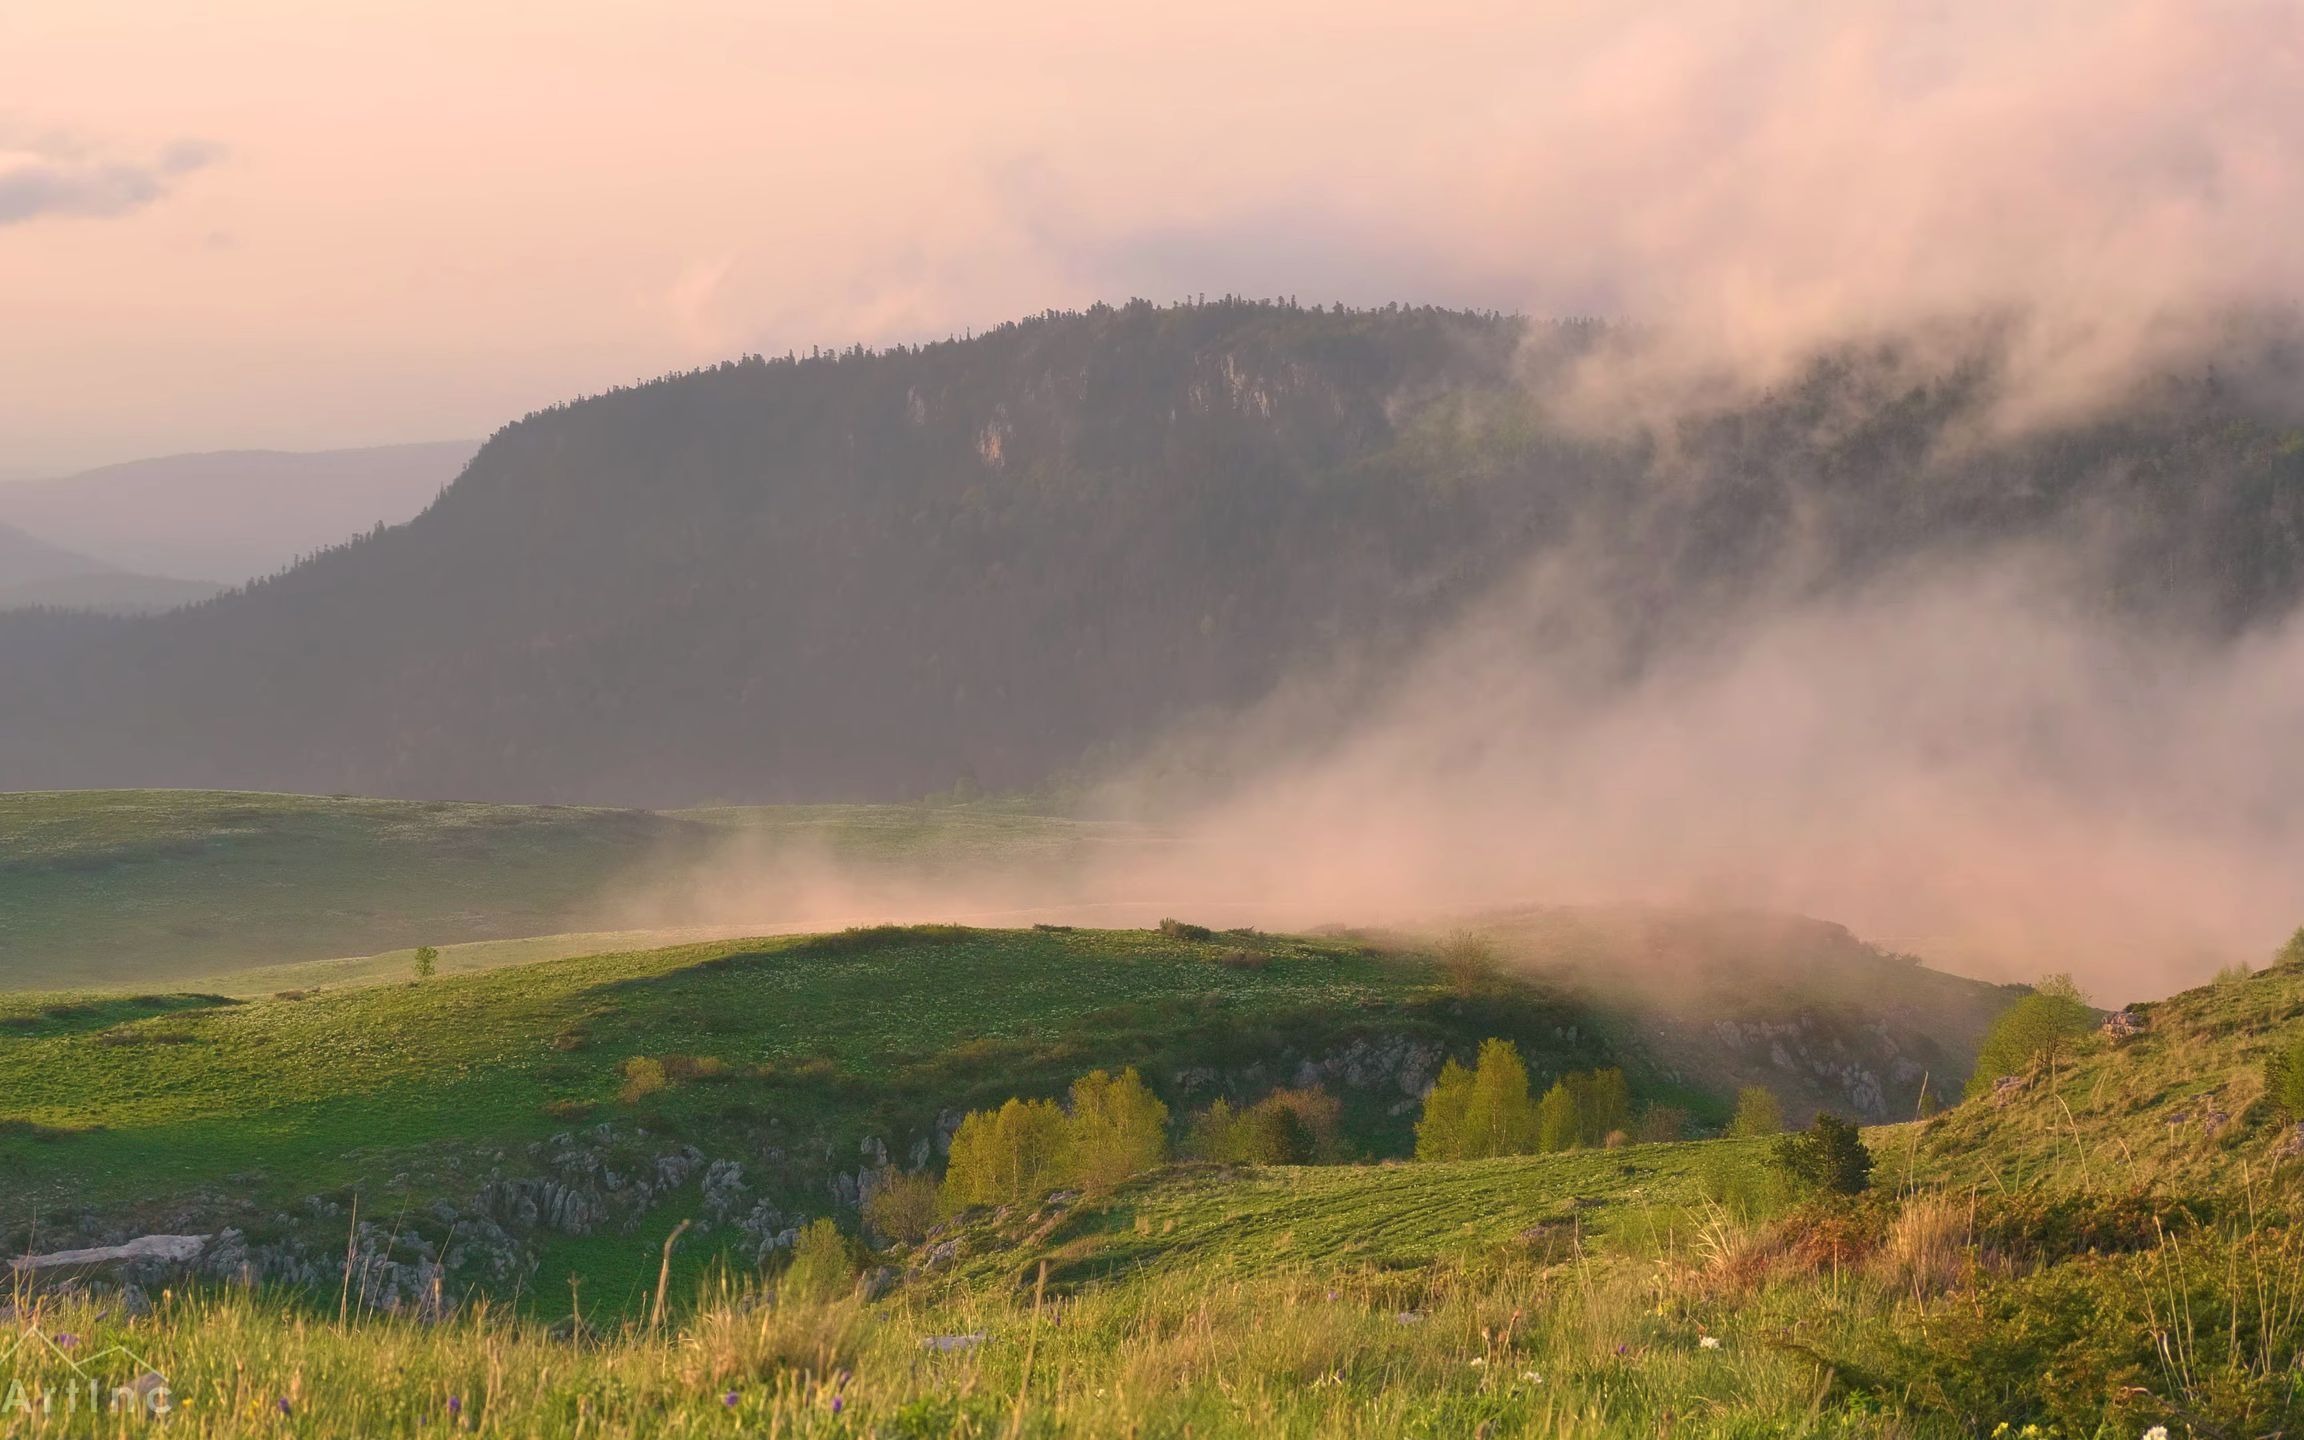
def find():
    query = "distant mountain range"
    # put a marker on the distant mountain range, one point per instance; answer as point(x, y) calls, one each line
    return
point(233, 515)
point(875, 574)
point(36, 573)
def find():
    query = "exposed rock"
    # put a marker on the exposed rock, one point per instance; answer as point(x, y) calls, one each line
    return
point(2122, 1024)
point(145, 1249)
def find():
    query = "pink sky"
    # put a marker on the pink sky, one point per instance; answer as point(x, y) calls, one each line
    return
point(281, 223)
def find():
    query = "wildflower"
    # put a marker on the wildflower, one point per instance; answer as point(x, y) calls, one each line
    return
point(1623, 1349)
point(1478, 1361)
point(838, 1404)
point(65, 1340)
point(1531, 1377)
point(285, 1407)
point(1709, 1342)
point(455, 1405)
point(729, 1400)
point(2157, 1432)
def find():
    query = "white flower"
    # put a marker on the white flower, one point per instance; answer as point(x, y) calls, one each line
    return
point(1478, 1361)
point(2157, 1432)
point(1531, 1377)
point(1709, 1342)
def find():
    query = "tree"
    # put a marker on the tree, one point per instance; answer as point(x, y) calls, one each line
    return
point(1758, 1113)
point(1559, 1125)
point(823, 1266)
point(902, 1206)
point(1499, 1118)
point(1006, 1156)
point(1118, 1128)
point(1605, 1107)
point(2036, 1028)
point(1440, 1133)
point(427, 962)
point(1286, 1127)
point(2292, 953)
point(1828, 1158)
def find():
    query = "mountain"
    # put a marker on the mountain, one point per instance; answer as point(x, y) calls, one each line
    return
point(36, 573)
point(874, 574)
point(233, 515)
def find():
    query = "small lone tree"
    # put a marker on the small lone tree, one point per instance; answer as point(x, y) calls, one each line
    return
point(427, 962)
point(1827, 1158)
point(1758, 1114)
point(2292, 953)
point(823, 1266)
point(1559, 1125)
point(2036, 1028)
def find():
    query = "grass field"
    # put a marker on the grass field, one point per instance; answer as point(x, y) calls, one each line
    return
point(146, 888)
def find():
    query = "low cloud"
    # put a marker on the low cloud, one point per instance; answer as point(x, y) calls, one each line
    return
point(44, 177)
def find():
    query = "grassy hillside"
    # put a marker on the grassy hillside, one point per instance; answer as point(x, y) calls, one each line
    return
point(1987, 1279)
point(157, 887)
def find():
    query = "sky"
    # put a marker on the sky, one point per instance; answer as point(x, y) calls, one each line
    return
point(279, 223)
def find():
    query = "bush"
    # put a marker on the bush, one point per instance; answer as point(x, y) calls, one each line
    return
point(2035, 1029)
point(1006, 1156)
point(427, 962)
point(1758, 1114)
point(1828, 1158)
point(902, 1207)
point(1244, 959)
point(823, 1266)
point(1468, 959)
point(1286, 1127)
point(1179, 930)
point(1661, 1123)
point(2284, 1078)
point(1117, 1129)
point(2292, 953)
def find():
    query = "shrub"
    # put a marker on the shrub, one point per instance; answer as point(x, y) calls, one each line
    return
point(2035, 1029)
point(1758, 1114)
point(902, 1207)
point(1244, 959)
point(1468, 959)
point(1659, 1123)
point(427, 962)
point(1005, 1156)
point(1179, 930)
point(2284, 1077)
point(643, 1076)
point(1118, 1128)
point(570, 1108)
point(823, 1266)
point(1286, 1127)
point(1828, 1158)
point(2292, 953)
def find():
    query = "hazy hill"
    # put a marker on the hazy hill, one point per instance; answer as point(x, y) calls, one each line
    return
point(232, 515)
point(36, 573)
point(871, 575)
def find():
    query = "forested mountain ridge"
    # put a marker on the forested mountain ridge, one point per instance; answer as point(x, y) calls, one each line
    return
point(871, 574)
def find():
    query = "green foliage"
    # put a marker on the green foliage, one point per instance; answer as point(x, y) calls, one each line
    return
point(823, 1265)
point(1485, 1111)
point(2035, 1030)
point(1184, 930)
point(1117, 1129)
point(2284, 1077)
point(1286, 1127)
point(1440, 1133)
point(903, 1207)
point(2292, 953)
point(1828, 1158)
point(1469, 960)
point(1559, 1124)
point(1758, 1113)
point(427, 962)
point(1008, 1156)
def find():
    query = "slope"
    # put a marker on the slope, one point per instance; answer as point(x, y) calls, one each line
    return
point(876, 575)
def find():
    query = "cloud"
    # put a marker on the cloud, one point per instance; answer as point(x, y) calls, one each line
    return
point(48, 176)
